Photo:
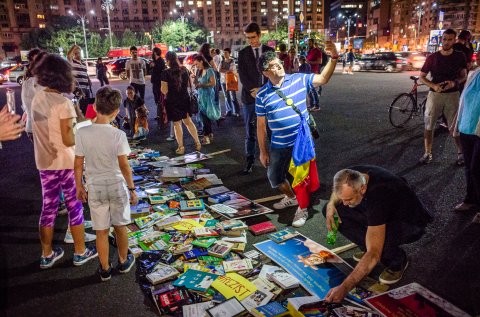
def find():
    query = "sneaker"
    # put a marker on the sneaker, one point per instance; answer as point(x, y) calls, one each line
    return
point(62, 210)
point(300, 218)
point(344, 73)
point(126, 266)
point(87, 224)
point(105, 275)
point(426, 158)
point(389, 277)
point(460, 159)
point(88, 237)
point(286, 202)
point(357, 256)
point(47, 262)
point(170, 139)
point(80, 259)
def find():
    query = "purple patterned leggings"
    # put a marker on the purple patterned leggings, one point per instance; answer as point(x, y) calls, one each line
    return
point(53, 182)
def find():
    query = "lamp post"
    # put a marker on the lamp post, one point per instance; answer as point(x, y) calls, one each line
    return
point(420, 12)
point(348, 21)
point(183, 18)
point(107, 6)
point(82, 19)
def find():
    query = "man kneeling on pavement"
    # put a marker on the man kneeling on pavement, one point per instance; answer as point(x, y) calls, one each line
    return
point(281, 103)
point(379, 212)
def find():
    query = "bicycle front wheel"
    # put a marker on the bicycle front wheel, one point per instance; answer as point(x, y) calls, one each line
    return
point(401, 110)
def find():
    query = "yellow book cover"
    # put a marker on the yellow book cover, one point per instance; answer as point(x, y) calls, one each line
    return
point(187, 225)
point(234, 285)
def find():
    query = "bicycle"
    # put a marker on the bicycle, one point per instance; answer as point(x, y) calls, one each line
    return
point(405, 106)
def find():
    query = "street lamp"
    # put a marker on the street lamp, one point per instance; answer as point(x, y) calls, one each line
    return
point(420, 12)
point(348, 21)
point(107, 6)
point(276, 19)
point(82, 19)
point(183, 19)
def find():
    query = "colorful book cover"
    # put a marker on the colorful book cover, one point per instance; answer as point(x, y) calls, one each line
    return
point(272, 309)
point(187, 225)
point(234, 285)
point(262, 228)
point(220, 248)
point(141, 209)
point(283, 235)
point(301, 257)
point(192, 204)
point(413, 300)
point(211, 223)
point(205, 242)
point(147, 221)
point(237, 265)
point(196, 280)
point(204, 232)
point(218, 198)
point(216, 190)
point(162, 273)
point(170, 221)
point(194, 253)
point(199, 184)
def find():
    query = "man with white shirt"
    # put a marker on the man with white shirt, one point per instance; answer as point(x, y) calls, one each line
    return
point(136, 70)
point(279, 104)
point(252, 80)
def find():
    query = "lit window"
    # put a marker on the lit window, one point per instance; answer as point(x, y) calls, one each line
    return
point(41, 25)
point(199, 4)
point(179, 3)
point(360, 6)
point(54, 7)
point(227, 3)
point(40, 16)
point(190, 3)
point(209, 3)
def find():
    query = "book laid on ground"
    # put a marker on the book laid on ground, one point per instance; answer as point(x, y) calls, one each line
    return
point(232, 225)
point(413, 300)
point(259, 298)
point(283, 279)
point(272, 309)
point(196, 280)
point(204, 232)
point(262, 228)
point(220, 249)
point(229, 308)
point(192, 204)
point(237, 265)
point(168, 222)
point(162, 273)
point(198, 184)
point(234, 285)
point(216, 190)
point(197, 310)
point(244, 207)
point(223, 209)
point(204, 242)
point(218, 198)
point(141, 209)
point(283, 235)
point(172, 301)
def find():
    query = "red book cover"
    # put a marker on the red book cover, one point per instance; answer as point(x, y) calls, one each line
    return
point(262, 228)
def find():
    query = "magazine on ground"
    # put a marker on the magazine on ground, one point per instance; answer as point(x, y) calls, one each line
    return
point(413, 300)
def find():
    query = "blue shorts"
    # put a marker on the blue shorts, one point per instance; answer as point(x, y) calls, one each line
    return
point(279, 163)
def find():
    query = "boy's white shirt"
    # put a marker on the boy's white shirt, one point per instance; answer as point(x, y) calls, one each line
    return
point(101, 144)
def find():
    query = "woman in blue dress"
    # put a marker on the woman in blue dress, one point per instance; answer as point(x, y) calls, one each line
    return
point(205, 83)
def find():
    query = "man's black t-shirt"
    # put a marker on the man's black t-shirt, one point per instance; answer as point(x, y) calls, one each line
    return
point(389, 199)
point(445, 68)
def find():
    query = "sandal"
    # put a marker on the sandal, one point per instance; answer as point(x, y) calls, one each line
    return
point(198, 146)
point(206, 140)
point(180, 150)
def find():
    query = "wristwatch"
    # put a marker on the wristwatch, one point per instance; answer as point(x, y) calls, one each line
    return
point(131, 189)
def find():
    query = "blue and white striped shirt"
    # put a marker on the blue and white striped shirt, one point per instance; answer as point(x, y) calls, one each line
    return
point(281, 118)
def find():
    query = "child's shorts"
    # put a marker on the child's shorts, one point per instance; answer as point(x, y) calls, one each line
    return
point(109, 203)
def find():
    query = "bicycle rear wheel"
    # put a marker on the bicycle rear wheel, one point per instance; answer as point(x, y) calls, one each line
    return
point(401, 110)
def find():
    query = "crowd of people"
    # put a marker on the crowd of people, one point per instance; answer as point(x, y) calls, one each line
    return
point(371, 206)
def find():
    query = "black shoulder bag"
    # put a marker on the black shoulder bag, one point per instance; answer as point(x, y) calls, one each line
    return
point(311, 121)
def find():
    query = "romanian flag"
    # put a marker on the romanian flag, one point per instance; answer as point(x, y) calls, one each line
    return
point(303, 166)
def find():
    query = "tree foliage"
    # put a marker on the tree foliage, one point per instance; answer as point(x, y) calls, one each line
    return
point(129, 38)
point(281, 35)
point(173, 34)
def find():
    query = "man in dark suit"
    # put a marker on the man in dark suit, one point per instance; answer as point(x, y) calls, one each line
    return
point(251, 79)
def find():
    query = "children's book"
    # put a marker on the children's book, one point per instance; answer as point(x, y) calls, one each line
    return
point(283, 235)
point(262, 228)
point(195, 280)
point(161, 273)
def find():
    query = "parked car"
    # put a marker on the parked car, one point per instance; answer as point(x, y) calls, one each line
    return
point(187, 59)
point(386, 61)
point(92, 69)
point(8, 63)
point(117, 67)
point(411, 60)
point(17, 74)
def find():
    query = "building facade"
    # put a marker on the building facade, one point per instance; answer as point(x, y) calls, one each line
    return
point(224, 19)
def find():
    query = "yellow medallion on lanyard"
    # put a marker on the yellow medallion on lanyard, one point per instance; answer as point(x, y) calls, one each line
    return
point(289, 102)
